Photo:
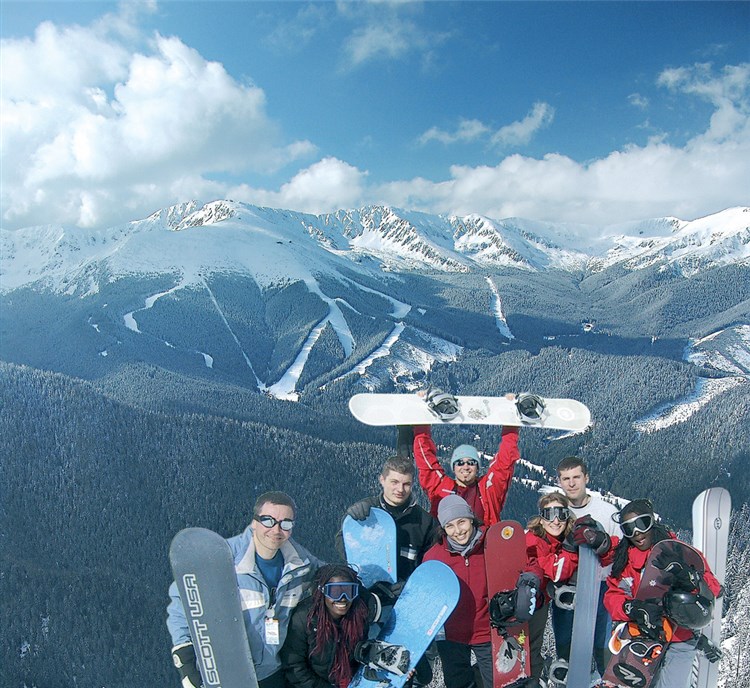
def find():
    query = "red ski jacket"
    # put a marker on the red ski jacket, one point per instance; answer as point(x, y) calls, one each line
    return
point(487, 497)
point(622, 589)
point(470, 621)
point(549, 561)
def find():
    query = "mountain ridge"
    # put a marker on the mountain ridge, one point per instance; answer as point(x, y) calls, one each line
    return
point(372, 239)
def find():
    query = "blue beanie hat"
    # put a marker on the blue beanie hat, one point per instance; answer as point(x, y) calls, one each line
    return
point(464, 451)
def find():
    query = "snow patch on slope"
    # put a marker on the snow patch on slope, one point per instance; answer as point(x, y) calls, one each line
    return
point(727, 350)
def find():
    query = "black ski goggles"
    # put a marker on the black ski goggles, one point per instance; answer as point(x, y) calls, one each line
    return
point(637, 524)
point(340, 591)
point(550, 513)
point(286, 524)
point(466, 462)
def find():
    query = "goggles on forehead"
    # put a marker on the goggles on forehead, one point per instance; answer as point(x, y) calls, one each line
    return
point(340, 591)
point(465, 462)
point(637, 524)
point(286, 524)
point(550, 513)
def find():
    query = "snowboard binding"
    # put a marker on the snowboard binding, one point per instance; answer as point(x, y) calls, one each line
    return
point(530, 407)
point(443, 404)
point(378, 656)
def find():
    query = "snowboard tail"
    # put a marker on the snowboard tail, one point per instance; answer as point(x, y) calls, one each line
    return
point(203, 569)
point(412, 409)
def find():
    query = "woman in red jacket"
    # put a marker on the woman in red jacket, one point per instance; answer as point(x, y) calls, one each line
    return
point(468, 627)
point(642, 532)
point(553, 565)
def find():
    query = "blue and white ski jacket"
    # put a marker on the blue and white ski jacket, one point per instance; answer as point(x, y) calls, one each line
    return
point(258, 602)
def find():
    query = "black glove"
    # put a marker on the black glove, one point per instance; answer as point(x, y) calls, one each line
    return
point(387, 593)
point(405, 441)
point(502, 608)
point(359, 511)
point(647, 615)
point(684, 576)
point(569, 544)
point(591, 533)
point(184, 659)
point(378, 655)
point(527, 591)
point(713, 652)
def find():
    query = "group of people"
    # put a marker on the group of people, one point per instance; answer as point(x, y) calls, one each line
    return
point(309, 622)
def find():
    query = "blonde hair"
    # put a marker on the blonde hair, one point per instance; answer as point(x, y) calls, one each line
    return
point(535, 522)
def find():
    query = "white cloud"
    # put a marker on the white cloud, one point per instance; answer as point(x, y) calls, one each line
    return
point(638, 100)
point(324, 187)
point(521, 132)
point(383, 31)
point(515, 134)
point(468, 130)
point(707, 174)
point(92, 128)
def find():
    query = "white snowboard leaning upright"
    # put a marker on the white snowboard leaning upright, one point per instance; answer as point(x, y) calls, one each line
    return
point(411, 409)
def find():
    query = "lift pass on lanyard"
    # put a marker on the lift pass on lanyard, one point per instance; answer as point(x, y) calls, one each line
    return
point(272, 631)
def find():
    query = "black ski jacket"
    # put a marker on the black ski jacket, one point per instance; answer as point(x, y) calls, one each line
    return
point(302, 669)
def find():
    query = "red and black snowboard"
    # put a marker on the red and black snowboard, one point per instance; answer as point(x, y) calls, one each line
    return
point(636, 658)
point(505, 556)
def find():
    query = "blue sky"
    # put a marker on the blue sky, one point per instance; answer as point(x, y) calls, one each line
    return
point(586, 112)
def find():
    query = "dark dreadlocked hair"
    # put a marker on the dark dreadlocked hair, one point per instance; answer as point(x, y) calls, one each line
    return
point(344, 635)
point(638, 507)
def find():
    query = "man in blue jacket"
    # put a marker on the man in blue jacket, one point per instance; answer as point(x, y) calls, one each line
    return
point(274, 574)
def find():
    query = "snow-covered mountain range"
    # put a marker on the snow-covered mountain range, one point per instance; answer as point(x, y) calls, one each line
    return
point(279, 246)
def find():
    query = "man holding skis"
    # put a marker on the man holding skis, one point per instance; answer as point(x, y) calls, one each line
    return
point(274, 574)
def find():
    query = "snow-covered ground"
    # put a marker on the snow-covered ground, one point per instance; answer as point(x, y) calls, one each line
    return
point(727, 350)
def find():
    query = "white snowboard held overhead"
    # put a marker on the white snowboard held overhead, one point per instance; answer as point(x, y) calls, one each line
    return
point(413, 409)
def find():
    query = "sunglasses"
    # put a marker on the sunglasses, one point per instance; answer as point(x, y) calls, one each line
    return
point(550, 513)
point(340, 591)
point(465, 462)
point(286, 524)
point(637, 524)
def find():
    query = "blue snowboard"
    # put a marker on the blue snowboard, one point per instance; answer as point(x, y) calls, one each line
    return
point(203, 569)
point(371, 546)
point(427, 600)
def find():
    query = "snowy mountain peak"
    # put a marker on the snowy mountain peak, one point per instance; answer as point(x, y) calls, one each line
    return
point(275, 244)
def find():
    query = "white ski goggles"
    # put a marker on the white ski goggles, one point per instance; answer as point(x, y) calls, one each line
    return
point(638, 524)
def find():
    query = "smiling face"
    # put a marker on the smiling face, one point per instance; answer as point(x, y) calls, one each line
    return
point(556, 527)
point(460, 530)
point(465, 472)
point(268, 541)
point(396, 487)
point(642, 541)
point(337, 609)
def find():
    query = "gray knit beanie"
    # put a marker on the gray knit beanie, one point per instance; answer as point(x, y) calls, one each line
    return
point(452, 507)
